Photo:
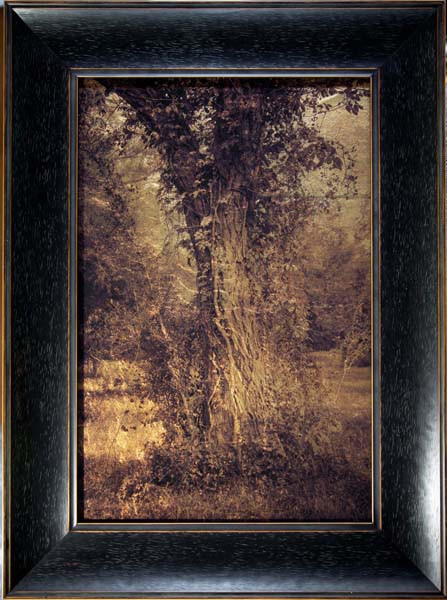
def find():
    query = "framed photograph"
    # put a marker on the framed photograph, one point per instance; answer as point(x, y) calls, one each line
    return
point(224, 299)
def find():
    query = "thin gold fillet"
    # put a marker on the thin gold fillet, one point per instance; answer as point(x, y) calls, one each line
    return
point(239, 526)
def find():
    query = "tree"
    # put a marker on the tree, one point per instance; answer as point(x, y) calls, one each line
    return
point(235, 155)
point(109, 301)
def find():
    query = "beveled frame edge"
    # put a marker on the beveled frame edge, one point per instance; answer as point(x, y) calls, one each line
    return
point(2, 282)
point(204, 3)
point(5, 558)
point(223, 596)
point(442, 276)
point(59, 595)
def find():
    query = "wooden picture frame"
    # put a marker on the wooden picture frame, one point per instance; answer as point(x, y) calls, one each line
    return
point(49, 45)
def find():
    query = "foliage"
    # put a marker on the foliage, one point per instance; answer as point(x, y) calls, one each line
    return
point(219, 315)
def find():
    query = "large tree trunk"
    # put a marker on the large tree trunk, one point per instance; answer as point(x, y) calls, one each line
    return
point(242, 392)
point(235, 391)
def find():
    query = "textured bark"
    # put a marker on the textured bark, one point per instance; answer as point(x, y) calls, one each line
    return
point(243, 386)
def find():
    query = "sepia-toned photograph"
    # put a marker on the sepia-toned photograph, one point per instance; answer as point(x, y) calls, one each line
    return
point(224, 300)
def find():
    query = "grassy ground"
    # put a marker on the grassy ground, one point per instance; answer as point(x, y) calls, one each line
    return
point(353, 397)
point(118, 427)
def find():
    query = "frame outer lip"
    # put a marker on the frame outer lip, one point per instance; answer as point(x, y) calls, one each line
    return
point(3, 127)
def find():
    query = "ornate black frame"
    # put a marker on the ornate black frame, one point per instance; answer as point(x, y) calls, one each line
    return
point(400, 44)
